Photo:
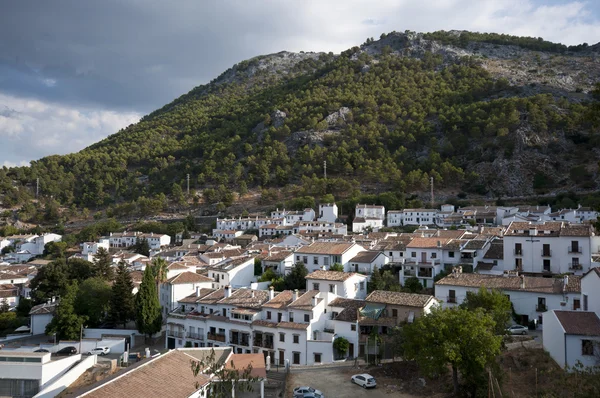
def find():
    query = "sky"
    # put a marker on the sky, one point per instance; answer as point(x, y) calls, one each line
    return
point(72, 72)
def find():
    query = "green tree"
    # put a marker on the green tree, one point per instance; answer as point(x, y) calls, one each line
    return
point(493, 302)
point(341, 345)
point(122, 301)
point(159, 270)
point(337, 267)
point(79, 269)
point(412, 285)
point(55, 250)
point(376, 282)
point(24, 307)
point(4, 306)
point(51, 280)
point(148, 314)
point(142, 247)
point(177, 194)
point(459, 338)
point(93, 300)
point(103, 265)
point(66, 323)
point(296, 278)
point(257, 266)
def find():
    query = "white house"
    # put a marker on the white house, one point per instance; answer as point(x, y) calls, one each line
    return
point(370, 211)
point(319, 254)
point(587, 214)
point(360, 224)
point(10, 295)
point(281, 262)
point(572, 337)
point(92, 247)
point(531, 296)
point(424, 259)
point(41, 315)
point(179, 286)
point(549, 248)
point(320, 226)
point(419, 216)
point(236, 272)
point(394, 218)
point(364, 261)
point(328, 212)
point(342, 284)
point(590, 291)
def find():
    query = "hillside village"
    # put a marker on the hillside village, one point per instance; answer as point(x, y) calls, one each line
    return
point(231, 289)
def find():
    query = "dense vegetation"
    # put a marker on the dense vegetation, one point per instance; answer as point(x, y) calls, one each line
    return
point(410, 119)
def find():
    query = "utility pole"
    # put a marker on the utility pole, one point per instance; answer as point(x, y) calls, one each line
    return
point(431, 192)
point(37, 187)
point(188, 185)
point(325, 169)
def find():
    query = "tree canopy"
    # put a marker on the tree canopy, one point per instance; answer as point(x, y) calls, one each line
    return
point(148, 313)
point(66, 323)
point(493, 302)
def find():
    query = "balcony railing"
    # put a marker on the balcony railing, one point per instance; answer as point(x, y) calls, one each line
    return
point(575, 266)
point(518, 252)
point(546, 270)
point(216, 337)
point(451, 299)
point(268, 344)
point(175, 333)
point(195, 336)
point(541, 308)
point(409, 273)
point(574, 249)
point(240, 341)
point(546, 253)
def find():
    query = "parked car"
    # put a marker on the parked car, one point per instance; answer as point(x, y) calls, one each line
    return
point(364, 380)
point(307, 392)
point(99, 351)
point(517, 329)
point(67, 351)
point(42, 350)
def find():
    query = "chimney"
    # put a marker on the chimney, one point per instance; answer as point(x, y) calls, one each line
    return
point(197, 291)
point(252, 294)
point(53, 299)
point(227, 291)
point(323, 268)
point(439, 243)
point(271, 293)
point(295, 295)
point(314, 300)
point(565, 282)
point(522, 281)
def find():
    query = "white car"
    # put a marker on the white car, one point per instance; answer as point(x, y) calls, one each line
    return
point(301, 392)
point(364, 380)
point(517, 329)
point(99, 351)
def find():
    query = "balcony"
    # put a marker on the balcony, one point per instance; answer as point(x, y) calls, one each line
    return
point(409, 272)
point(574, 250)
point(451, 299)
point(216, 337)
point(175, 333)
point(242, 342)
point(195, 336)
point(546, 253)
point(541, 308)
point(518, 252)
point(575, 266)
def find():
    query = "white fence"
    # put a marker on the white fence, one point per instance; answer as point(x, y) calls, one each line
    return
point(68, 378)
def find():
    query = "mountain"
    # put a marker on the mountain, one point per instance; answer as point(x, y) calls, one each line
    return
point(483, 114)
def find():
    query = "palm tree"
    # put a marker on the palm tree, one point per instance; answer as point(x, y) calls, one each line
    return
point(159, 269)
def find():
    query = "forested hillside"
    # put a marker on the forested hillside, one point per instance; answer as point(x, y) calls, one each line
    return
point(386, 116)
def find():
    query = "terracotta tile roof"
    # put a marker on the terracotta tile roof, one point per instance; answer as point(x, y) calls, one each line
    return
point(475, 244)
point(427, 243)
point(285, 325)
point(247, 298)
point(233, 252)
point(399, 298)
point(188, 277)
point(230, 264)
point(192, 298)
point(454, 244)
point(213, 255)
point(8, 291)
point(136, 276)
point(532, 284)
point(278, 256)
point(243, 361)
point(281, 300)
point(496, 251)
point(577, 230)
point(333, 248)
point(579, 322)
point(550, 229)
point(304, 302)
point(330, 275)
point(350, 308)
point(148, 379)
point(43, 308)
point(367, 256)
point(213, 298)
point(177, 265)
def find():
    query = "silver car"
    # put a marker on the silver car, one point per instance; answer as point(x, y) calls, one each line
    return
point(517, 329)
point(307, 392)
point(364, 380)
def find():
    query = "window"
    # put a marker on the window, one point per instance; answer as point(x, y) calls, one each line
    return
point(390, 254)
point(325, 260)
point(362, 285)
point(306, 318)
point(451, 254)
point(546, 249)
point(518, 249)
point(317, 358)
point(576, 304)
point(585, 302)
point(279, 316)
point(394, 313)
point(296, 356)
point(413, 254)
point(316, 260)
point(305, 259)
point(547, 265)
point(297, 259)
point(452, 296)
point(268, 314)
point(331, 288)
point(315, 286)
point(433, 255)
point(296, 338)
point(282, 337)
point(291, 317)
point(353, 327)
point(587, 347)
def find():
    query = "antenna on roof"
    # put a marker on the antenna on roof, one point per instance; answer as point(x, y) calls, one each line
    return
point(431, 192)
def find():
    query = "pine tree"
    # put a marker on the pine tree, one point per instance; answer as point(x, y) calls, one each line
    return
point(66, 323)
point(142, 247)
point(103, 265)
point(296, 279)
point(376, 282)
point(148, 317)
point(122, 300)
